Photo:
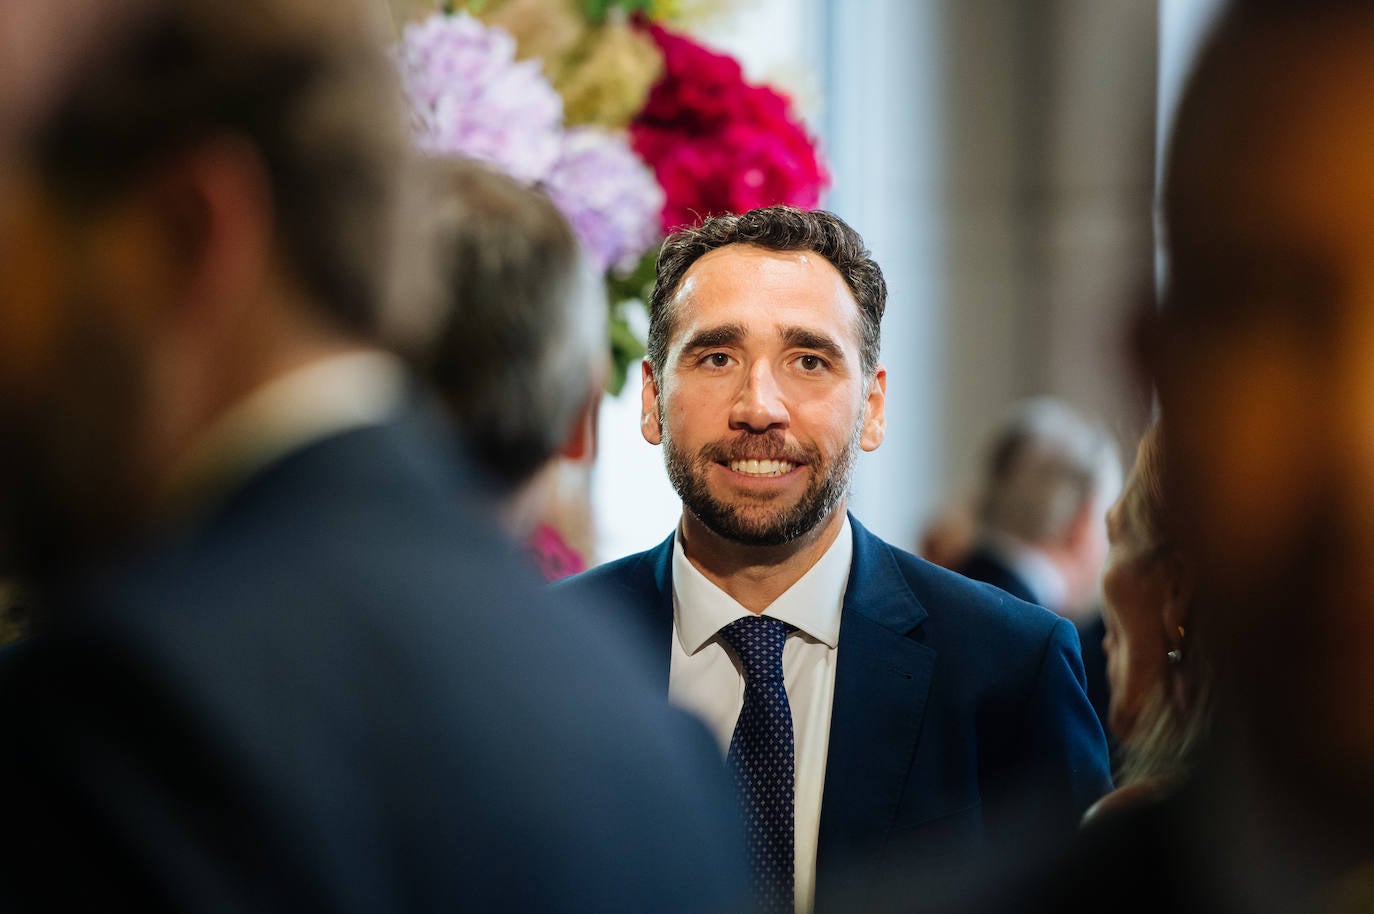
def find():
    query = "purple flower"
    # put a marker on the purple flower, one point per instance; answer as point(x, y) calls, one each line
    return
point(469, 97)
point(611, 197)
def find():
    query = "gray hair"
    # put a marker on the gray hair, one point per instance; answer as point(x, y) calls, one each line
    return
point(1046, 463)
point(524, 343)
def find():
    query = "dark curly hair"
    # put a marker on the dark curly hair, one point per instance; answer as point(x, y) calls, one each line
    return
point(775, 228)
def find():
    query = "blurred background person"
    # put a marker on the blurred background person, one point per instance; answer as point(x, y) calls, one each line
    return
point(521, 359)
point(1049, 475)
point(1263, 354)
point(1158, 675)
point(284, 662)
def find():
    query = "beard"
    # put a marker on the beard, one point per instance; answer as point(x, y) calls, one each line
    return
point(751, 520)
point(66, 480)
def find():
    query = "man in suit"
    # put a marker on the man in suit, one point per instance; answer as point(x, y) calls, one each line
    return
point(1049, 475)
point(283, 664)
point(867, 701)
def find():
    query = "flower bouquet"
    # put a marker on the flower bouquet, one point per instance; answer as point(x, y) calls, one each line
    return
point(631, 127)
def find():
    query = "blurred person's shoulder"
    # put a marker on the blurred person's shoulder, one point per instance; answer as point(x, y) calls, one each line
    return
point(634, 592)
point(630, 574)
point(348, 624)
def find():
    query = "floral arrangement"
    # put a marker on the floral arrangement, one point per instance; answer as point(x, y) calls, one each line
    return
point(631, 127)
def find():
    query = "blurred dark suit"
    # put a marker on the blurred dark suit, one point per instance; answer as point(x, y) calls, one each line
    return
point(339, 692)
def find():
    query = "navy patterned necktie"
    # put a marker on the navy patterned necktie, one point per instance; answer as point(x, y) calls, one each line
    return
point(761, 758)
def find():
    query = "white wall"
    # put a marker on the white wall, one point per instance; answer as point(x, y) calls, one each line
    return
point(882, 127)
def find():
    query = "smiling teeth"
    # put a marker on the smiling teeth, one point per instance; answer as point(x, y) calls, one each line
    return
point(761, 467)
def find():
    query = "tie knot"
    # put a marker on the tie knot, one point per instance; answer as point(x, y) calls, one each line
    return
point(757, 642)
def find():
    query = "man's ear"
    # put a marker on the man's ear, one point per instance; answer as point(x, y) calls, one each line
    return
point(216, 204)
point(875, 411)
point(1082, 526)
point(649, 425)
point(581, 442)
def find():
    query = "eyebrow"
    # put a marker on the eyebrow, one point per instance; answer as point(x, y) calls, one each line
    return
point(802, 338)
point(712, 337)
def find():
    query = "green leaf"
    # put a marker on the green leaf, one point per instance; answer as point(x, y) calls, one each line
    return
point(596, 11)
point(626, 291)
point(626, 351)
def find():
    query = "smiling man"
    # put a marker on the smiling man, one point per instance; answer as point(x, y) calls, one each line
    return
point(868, 703)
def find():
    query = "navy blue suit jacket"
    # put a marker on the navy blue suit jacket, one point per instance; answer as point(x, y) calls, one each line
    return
point(985, 565)
point(959, 728)
point(342, 691)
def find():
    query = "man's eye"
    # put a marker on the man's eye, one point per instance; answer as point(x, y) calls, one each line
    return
point(811, 363)
point(717, 360)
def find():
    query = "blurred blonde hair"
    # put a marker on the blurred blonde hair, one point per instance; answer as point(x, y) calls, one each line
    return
point(1178, 710)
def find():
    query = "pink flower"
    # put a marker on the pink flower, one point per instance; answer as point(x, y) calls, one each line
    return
point(555, 558)
point(718, 144)
point(469, 97)
point(608, 195)
point(699, 88)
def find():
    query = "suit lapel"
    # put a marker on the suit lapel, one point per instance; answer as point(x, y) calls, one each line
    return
point(882, 678)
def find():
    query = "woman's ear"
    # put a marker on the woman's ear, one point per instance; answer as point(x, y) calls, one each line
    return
point(1178, 601)
point(1178, 597)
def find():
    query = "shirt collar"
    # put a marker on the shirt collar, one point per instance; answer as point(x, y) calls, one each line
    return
point(307, 404)
point(812, 604)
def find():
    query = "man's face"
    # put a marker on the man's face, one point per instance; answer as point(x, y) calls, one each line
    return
point(763, 404)
point(1266, 374)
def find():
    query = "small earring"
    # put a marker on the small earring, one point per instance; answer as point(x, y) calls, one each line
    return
point(1176, 655)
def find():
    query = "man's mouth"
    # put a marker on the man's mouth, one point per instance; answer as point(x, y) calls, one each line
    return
point(762, 467)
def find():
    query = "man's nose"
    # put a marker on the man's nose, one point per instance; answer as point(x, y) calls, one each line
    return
point(759, 404)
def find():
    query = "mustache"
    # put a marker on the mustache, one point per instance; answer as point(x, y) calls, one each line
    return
point(769, 445)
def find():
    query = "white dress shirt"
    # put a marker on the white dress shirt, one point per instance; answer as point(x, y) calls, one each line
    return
point(704, 678)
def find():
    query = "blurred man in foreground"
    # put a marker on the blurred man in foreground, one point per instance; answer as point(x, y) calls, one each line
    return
point(282, 665)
